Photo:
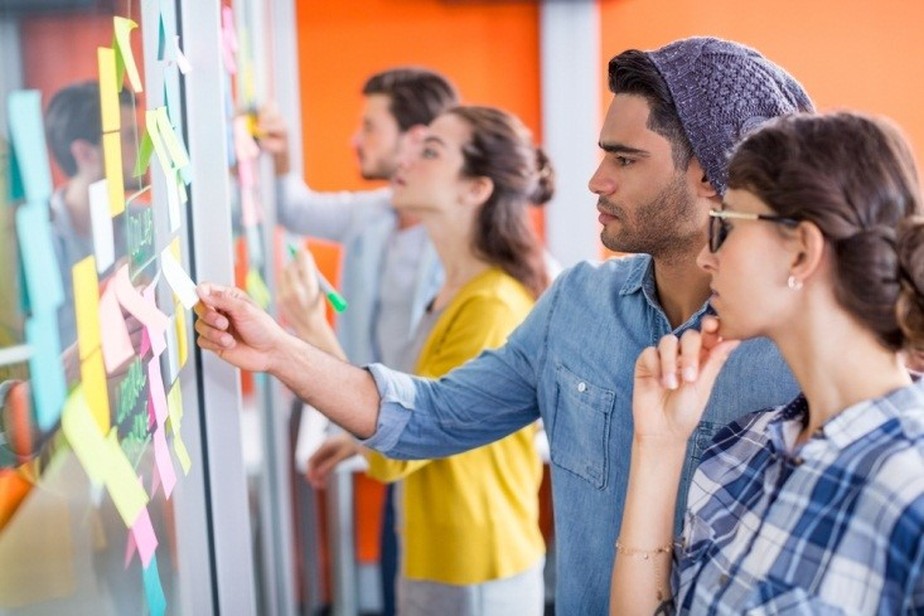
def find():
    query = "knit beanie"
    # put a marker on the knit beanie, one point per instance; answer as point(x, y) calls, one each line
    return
point(722, 91)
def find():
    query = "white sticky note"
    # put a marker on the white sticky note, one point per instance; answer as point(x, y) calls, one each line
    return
point(101, 221)
point(178, 279)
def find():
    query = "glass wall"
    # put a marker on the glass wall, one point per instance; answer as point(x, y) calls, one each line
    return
point(103, 481)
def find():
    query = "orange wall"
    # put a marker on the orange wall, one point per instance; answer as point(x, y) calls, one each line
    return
point(489, 49)
point(854, 54)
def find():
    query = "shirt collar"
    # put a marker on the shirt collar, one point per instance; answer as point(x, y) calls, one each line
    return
point(641, 279)
point(850, 425)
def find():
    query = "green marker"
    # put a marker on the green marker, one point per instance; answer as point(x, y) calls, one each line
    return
point(333, 296)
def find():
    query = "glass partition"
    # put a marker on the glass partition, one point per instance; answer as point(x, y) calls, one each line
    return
point(102, 478)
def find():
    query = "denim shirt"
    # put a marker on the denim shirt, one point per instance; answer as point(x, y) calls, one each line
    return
point(572, 363)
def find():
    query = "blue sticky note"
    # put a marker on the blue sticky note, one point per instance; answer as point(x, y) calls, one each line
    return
point(16, 189)
point(153, 590)
point(40, 265)
point(27, 136)
point(49, 387)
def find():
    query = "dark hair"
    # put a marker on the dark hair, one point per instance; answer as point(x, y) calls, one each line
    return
point(632, 72)
point(501, 148)
point(417, 95)
point(74, 113)
point(854, 177)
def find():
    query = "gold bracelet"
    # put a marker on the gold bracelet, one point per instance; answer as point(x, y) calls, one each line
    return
point(646, 554)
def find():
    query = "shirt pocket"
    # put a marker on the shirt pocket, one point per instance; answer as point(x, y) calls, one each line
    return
point(579, 438)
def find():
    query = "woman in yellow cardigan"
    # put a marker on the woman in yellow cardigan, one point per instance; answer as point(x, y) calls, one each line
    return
point(468, 524)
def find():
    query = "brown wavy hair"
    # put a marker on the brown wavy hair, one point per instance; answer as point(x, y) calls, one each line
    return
point(855, 178)
point(501, 148)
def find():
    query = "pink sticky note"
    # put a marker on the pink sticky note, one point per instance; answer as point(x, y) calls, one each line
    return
point(143, 532)
point(155, 337)
point(156, 388)
point(155, 481)
point(229, 39)
point(162, 459)
point(131, 300)
point(145, 343)
point(116, 343)
point(129, 549)
point(152, 417)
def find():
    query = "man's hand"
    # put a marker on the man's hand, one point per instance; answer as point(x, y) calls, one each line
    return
point(232, 326)
point(273, 135)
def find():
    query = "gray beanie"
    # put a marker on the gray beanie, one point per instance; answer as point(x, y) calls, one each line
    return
point(722, 91)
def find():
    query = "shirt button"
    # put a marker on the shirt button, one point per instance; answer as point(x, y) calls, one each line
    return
point(582, 387)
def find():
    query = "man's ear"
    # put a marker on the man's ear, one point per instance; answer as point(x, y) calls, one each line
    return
point(416, 133)
point(698, 178)
point(86, 154)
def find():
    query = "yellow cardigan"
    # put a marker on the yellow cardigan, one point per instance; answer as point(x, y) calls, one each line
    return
point(472, 517)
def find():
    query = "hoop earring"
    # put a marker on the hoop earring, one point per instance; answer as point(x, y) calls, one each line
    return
point(794, 283)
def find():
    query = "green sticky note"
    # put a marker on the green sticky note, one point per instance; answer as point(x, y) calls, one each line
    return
point(144, 155)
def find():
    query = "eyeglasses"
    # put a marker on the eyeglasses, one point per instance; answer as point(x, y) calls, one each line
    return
point(719, 227)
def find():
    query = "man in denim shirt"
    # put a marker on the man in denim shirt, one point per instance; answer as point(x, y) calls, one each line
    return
point(675, 113)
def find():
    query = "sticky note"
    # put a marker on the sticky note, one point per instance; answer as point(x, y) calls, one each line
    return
point(143, 533)
point(86, 305)
point(133, 302)
point(27, 135)
point(49, 387)
point(123, 28)
point(144, 155)
point(116, 341)
point(173, 201)
point(153, 591)
point(127, 493)
point(112, 152)
point(101, 223)
point(178, 279)
point(93, 378)
point(173, 363)
point(181, 61)
point(175, 404)
point(177, 153)
point(40, 265)
point(155, 337)
point(257, 289)
point(228, 39)
point(110, 111)
point(156, 391)
point(163, 461)
point(182, 350)
point(160, 150)
point(83, 435)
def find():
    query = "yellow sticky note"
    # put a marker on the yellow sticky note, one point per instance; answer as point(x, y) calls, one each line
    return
point(83, 435)
point(175, 404)
point(108, 90)
point(123, 28)
point(86, 305)
point(123, 484)
point(112, 152)
point(177, 152)
point(93, 378)
point(182, 351)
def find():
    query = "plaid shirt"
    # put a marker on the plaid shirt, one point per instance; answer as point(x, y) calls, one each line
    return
point(834, 527)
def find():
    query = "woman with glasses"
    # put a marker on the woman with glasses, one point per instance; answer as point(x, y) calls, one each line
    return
point(816, 507)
